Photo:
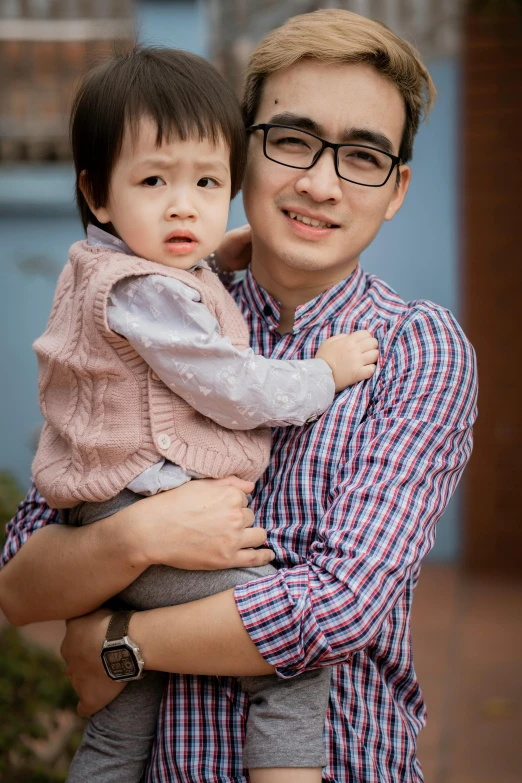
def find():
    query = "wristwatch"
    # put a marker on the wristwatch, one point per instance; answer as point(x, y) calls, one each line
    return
point(121, 658)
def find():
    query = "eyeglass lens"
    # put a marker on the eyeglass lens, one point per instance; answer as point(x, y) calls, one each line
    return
point(298, 149)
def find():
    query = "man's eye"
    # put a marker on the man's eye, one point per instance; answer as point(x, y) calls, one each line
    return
point(153, 182)
point(367, 157)
point(208, 182)
point(364, 158)
point(291, 141)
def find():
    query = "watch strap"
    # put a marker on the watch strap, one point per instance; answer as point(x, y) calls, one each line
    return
point(118, 625)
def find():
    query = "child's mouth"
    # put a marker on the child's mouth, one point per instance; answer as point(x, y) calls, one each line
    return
point(181, 244)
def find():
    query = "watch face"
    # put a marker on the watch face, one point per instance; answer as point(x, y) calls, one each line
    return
point(120, 662)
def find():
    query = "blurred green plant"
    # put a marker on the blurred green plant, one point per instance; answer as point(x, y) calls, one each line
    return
point(39, 729)
point(34, 699)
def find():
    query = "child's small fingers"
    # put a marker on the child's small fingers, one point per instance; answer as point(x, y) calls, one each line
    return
point(368, 344)
point(370, 357)
point(337, 337)
point(363, 334)
point(367, 371)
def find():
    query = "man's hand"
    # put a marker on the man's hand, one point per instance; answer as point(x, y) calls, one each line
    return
point(352, 357)
point(235, 250)
point(203, 525)
point(80, 650)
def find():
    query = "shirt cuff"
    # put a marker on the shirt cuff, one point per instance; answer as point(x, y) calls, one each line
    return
point(277, 614)
point(320, 384)
point(323, 375)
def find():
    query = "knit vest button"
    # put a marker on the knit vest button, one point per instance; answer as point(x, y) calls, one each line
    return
point(163, 441)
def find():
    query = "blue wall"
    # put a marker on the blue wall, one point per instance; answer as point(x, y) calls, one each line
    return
point(417, 253)
point(38, 223)
point(178, 23)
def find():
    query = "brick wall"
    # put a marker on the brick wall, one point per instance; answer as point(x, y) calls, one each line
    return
point(492, 282)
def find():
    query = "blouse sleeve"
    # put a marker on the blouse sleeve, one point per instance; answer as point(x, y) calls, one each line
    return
point(172, 330)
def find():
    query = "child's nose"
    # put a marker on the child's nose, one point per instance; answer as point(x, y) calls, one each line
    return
point(181, 209)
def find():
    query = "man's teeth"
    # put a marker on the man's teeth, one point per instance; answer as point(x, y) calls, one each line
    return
point(309, 221)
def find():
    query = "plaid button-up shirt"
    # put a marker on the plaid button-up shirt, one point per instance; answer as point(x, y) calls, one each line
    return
point(350, 503)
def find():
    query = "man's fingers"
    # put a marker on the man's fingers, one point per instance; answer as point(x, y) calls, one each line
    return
point(248, 517)
point(252, 537)
point(234, 481)
point(93, 697)
point(253, 558)
point(243, 488)
point(82, 710)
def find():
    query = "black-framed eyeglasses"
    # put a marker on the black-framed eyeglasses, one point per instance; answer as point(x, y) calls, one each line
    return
point(300, 149)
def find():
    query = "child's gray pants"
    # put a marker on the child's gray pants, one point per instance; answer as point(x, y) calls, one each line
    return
point(286, 717)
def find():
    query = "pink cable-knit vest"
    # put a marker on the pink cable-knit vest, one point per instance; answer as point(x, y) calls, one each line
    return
point(107, 416)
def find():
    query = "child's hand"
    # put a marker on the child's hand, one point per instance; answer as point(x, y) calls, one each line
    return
point(235, 250)
point(352, 357)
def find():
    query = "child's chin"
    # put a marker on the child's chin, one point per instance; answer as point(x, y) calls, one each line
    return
point(176, 262)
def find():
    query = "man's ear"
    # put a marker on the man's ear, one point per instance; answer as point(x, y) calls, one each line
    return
point(399, 192)
point(100, 213)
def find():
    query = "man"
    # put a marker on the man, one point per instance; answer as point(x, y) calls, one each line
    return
point(350, 501)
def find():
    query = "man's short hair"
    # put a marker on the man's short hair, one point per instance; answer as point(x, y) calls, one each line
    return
point(181, 93)
point(337, 36)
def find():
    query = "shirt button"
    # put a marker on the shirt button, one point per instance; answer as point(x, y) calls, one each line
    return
point(267, 310)
point(163, 441)
point(313, 418)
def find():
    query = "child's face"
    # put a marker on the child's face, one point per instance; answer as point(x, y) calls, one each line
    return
point(169, 204)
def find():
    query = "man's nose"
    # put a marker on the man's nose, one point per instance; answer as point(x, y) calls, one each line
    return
point(321, 182)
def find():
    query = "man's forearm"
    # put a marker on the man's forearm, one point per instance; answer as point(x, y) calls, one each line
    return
point(62, 572)
point(202, 637)
point(58, 572)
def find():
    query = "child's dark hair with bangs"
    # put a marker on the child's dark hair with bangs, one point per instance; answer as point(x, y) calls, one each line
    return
point(182, 93)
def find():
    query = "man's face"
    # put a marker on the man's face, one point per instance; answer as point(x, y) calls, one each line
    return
point(169, 203)
point(340, 103)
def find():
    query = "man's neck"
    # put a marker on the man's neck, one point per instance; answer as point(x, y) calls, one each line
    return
point(293, 287)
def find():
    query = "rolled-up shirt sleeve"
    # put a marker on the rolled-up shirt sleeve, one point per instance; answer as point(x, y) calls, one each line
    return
point(399, 471)
point(181, 341)
point(33, 513)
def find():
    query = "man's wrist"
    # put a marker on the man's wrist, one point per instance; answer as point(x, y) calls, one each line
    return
point(121, 656)
point(142, 634)
point(126, 528)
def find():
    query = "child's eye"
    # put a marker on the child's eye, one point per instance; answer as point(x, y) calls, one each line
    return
point(153, 182)
point(208, 182)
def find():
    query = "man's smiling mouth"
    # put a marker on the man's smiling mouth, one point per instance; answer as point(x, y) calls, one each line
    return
point(308, 221)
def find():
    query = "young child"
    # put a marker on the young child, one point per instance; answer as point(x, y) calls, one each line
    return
point(147, 380)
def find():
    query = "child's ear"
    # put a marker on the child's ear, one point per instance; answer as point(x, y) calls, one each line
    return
point(100, 213)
